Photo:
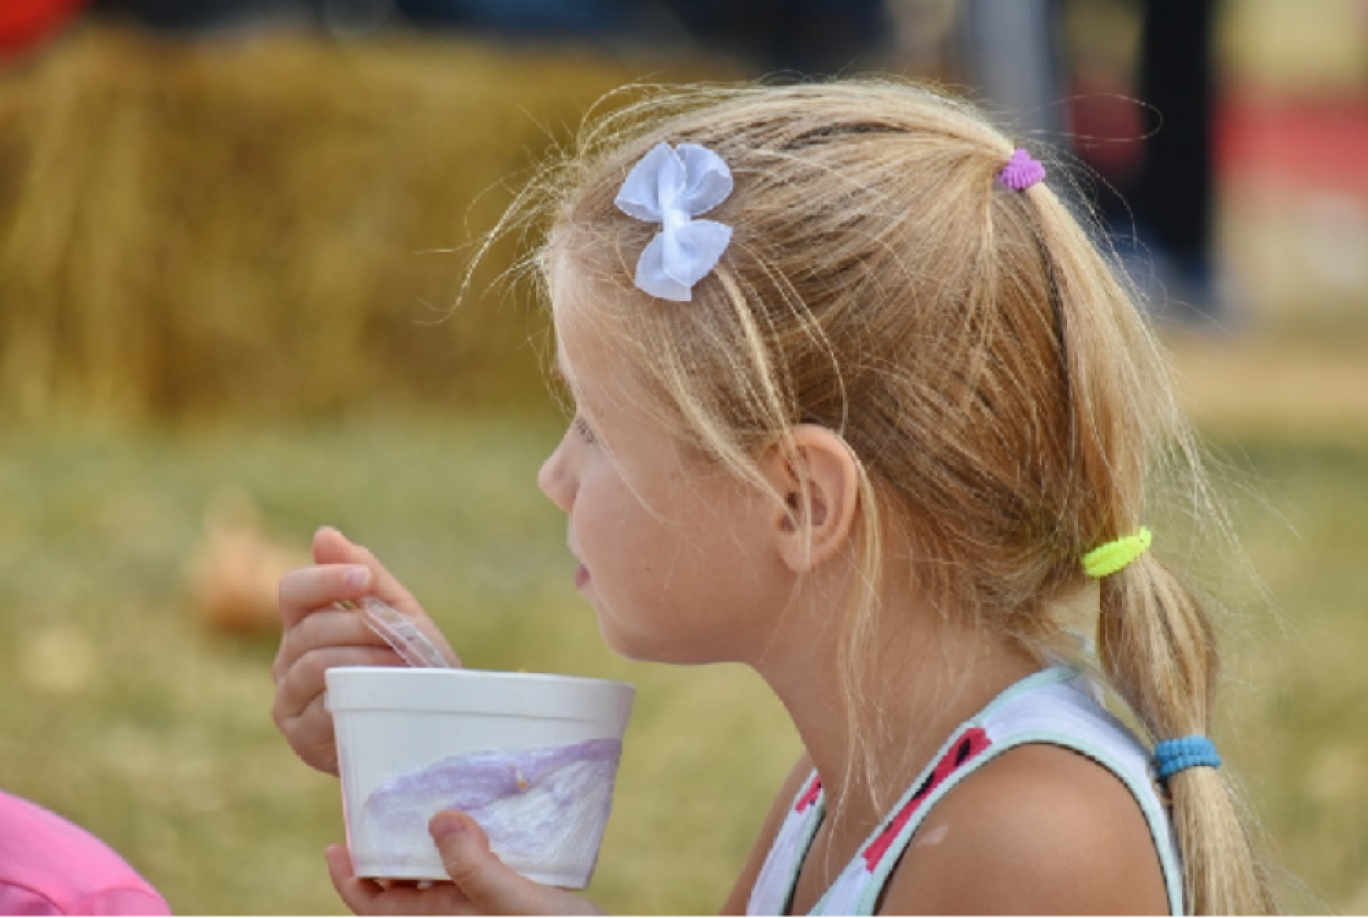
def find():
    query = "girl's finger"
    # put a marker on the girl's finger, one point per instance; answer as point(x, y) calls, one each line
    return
point(330, 627)
point(311, 735)
point(304, 680)
point(358, 894)
point(369, 897)
point(332, 547)
point(339, 559)
point(308, 589)
point(486, 881)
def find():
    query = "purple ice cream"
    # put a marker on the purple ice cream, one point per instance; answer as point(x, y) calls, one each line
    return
point(544, 810)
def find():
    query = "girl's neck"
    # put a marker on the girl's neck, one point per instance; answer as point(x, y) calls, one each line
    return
point(923, 677)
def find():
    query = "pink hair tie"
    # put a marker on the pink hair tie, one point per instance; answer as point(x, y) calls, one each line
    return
point(1021, 171)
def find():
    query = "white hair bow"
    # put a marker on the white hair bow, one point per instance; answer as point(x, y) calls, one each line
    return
point(671, 187)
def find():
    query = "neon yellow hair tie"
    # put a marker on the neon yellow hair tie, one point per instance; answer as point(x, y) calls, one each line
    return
point(1113, 556)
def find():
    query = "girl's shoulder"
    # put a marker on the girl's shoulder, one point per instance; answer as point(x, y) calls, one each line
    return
point(1038, 829)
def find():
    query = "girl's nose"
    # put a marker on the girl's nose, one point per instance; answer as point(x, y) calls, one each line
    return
point(555, 479)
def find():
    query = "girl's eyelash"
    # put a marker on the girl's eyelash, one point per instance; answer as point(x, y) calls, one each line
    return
point(584, 430)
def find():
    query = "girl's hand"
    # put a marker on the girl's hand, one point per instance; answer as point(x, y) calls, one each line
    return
point(318, 634)
point(481, 884)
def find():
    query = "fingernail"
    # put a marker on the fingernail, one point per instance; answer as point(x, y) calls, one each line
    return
point(356, 578)
point(446, 825)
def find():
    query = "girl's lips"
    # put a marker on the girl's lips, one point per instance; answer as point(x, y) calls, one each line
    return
point(581, 576)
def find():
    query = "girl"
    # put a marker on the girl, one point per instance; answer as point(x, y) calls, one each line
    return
point(859, 405)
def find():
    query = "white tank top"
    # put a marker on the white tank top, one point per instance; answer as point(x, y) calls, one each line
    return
point(1058, 706)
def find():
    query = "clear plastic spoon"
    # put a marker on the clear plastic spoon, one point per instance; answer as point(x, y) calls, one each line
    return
point(401, 634)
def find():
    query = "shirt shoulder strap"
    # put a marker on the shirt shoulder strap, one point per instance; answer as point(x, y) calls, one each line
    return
point(774, 886)
point(1055, 706)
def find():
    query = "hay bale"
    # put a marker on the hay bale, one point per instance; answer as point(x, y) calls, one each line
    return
point(193, 230)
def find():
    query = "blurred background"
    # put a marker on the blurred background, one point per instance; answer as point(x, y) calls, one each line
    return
point(231, 234)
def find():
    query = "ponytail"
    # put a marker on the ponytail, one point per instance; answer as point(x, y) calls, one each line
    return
point(1157, 647)
point(1156, 643)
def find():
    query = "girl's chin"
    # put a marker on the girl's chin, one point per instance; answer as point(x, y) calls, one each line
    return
point(640, 648)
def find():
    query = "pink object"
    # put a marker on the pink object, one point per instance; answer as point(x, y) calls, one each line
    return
point(49, 866)
point(1021, 171)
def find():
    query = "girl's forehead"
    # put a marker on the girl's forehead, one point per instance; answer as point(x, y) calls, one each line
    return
point(563, 368)
point(583, 361)
point(601, 381)
point(568, 327)
point(577, 313)
point(589, 319)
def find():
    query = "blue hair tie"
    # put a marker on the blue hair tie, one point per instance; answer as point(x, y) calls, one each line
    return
point(1175, 755)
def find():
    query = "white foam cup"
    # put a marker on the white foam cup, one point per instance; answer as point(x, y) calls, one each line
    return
point(531, 757)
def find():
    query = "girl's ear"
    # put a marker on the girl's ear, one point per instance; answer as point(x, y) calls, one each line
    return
point(820, 484)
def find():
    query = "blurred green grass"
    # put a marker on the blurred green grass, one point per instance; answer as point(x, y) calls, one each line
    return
point(123, 714)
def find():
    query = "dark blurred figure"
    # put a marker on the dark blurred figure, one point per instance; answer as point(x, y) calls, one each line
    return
point(519, 18)
point(1146, 127)
point(1173, 193)
point(198, 15)
point(806, 36)
point(513, 18)
point(533, 18)
point(1011, 55)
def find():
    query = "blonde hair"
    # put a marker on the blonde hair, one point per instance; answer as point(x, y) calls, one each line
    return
point(990, 373)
